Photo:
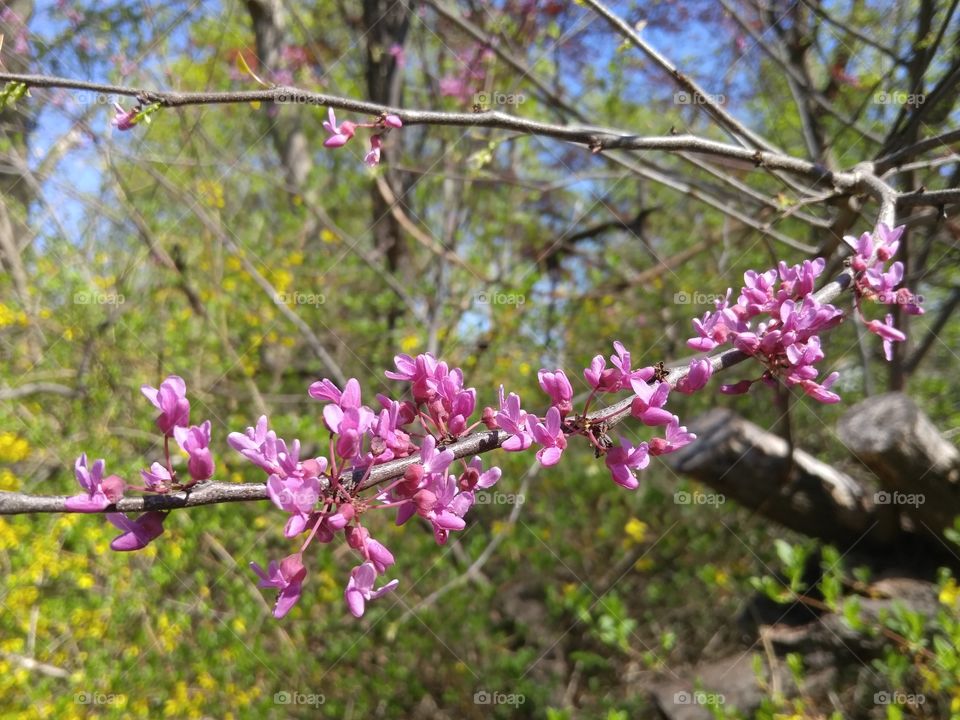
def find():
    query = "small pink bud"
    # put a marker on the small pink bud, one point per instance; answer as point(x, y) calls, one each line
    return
point(113, 487)
point(356, 537)
point(425, 501)
point(469, 479)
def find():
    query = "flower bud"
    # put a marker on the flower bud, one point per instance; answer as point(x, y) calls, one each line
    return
point(113, 487)
point(469, 479)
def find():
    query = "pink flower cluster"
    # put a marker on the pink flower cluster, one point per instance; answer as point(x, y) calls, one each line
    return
point(474, 63)
point(340, 134)
point(101, 492)
point(551, 432)
point(323, 496)
point(875, 281)
point(776, 320)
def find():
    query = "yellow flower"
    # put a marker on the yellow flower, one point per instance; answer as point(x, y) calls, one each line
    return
point(85, 581)
point(643, 564)
point(949, 594)
point(211, 192)
point(636, 530)
point(409, 343)
point(13, 448)
point(9, 316)
point(8, 481)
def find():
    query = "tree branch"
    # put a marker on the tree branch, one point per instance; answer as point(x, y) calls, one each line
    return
point(596, 138)
point(209, 493)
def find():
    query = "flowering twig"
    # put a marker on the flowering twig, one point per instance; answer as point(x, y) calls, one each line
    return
point(595, 138)
point(211, 493)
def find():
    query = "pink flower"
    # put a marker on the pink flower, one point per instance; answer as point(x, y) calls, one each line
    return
point(888, 333)
point(296, 495)
point(821, 391)
point(453, 87)
point(195, 441)
point(698, 374)
point(738, 388)
point(339, 135)
point(676, 437)
point(647, 406)
point(372, 158)
point(157, 478)
point(392, 121)
point(623, 459)
point(434, 462)
point(551, 436)
point(171, 400)
point(398, 54)
point(137, 534)
point(360, 588)
point(325, 390)
point(621, 361)
point(604, 379)
point(101, 491)
point(421, 372)
point(556, 385)
point(124, 119)
point(288, 576)
point(347, 404)
point(372, 550)
point(443, 505)
point(474, 477)
point(514, 421)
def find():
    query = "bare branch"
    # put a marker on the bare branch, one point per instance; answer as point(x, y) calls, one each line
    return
point(725, 119)
point(36, 389)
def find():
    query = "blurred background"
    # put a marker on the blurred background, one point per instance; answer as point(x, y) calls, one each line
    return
point(226, 245)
